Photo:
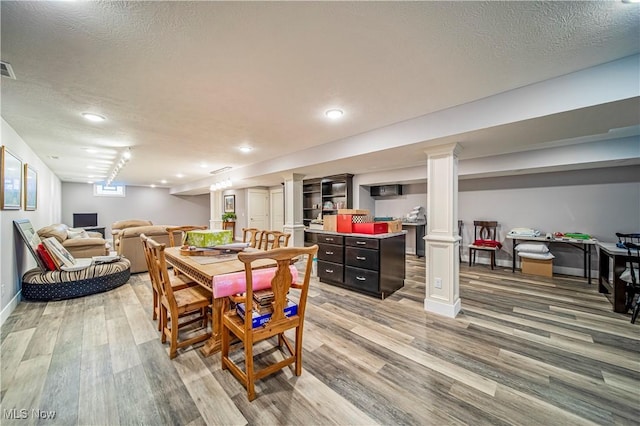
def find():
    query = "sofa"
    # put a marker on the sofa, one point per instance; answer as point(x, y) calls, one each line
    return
point(127, 243)
point(77, 241)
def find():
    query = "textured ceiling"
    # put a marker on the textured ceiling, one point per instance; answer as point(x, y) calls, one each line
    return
point(185, 84)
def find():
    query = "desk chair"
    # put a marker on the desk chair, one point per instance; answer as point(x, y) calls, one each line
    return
point(631, 275)
point(484, 239)
point(191, 302)
point(281, 284)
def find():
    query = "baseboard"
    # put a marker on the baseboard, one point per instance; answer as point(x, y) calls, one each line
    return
point(443, 309)
point(562, 270)
point(11, 306)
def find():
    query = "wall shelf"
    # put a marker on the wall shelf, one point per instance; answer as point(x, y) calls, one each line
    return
point(316, 192)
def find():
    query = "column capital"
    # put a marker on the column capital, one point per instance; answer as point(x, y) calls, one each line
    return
point(450, 148)
point(293, 176)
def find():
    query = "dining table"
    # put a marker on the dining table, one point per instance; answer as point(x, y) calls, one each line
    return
point(202, 269)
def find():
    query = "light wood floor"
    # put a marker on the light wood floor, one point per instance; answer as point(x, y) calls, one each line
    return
point(524, 350)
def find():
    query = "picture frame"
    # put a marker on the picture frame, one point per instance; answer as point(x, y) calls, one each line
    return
point(31, 239)
point(11, 178)
point(229, 203)
point(30, 188)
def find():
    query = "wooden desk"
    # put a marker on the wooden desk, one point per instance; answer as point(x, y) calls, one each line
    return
point(614, 289)
point(584, 245)
point(203, 275)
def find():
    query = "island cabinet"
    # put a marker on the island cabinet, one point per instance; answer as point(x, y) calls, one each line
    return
point(371, 264)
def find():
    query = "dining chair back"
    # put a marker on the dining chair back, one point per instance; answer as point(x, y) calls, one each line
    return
point(172, 230)
point(251, 236)
point(282, 314)
point(484, 239)
point(270, 240)
point(191, 303)
point(631, 274)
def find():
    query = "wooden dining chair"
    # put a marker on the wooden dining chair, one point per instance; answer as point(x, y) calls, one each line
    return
point(190, 304)
point(270, 240)
point(177, 282)
point(484, 239)
point(183, 229)
point(281, 284)
point(251, 236)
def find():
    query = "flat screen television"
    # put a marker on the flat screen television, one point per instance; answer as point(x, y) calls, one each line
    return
point(85, 220)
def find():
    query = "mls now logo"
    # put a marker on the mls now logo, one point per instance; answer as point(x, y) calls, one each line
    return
point(16, 414)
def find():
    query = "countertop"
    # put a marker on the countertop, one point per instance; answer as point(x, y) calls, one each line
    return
point(378, 236)
point(418, 223)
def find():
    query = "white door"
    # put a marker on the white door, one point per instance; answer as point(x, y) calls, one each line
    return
point(276, 197)
point(258, 208)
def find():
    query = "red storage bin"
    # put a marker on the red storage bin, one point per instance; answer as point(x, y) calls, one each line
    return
point(371, 228)
point(343, 223)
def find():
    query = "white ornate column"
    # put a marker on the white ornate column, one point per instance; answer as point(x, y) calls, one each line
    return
point(215, 202)
point(442, 240)
point(293, 209)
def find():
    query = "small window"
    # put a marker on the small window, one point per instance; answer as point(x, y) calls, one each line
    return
point(100, 190)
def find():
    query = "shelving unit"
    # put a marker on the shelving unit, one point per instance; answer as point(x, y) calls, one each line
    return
point(326, 195)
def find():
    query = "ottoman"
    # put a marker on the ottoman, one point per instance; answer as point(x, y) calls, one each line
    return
point(58, 285)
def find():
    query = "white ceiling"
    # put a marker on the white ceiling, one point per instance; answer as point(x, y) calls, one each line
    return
point(185, 84)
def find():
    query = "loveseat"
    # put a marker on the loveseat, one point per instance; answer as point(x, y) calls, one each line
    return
point(77, 241)
point(127, 243)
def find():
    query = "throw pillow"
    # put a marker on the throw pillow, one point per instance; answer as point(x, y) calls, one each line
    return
point(77, 233)
point(532, 248)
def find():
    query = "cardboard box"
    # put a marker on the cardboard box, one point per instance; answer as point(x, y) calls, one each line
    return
point(353, 211)
point(344, 223)
point(371, 228)
point(537, 266)
point(393, 225)
point(209, 237)
point(330, 222)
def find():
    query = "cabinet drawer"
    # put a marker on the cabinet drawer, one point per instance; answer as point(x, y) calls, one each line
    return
point(370, 243)
point(362, 258)
point(331, 253)
point(362, 279)
point(330, 239)
point(330, 271)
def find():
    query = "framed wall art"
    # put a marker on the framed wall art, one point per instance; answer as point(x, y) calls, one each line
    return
point(229, 203)
point(30, 188)
point(11, 177)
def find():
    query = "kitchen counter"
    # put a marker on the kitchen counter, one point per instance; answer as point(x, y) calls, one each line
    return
point(378, 236)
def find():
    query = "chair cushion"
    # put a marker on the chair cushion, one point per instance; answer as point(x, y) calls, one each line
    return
point(487, 244)
point(58, 231)
point(84, 242)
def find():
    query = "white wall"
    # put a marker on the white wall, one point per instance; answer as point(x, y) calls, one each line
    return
point(15, 258)
point(154, 204)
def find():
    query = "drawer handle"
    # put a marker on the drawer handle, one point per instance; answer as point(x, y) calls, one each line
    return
point(328, 239)
point(361, 278)
point(361, 258)
point(329, 271)
point(328, 252)
point(361, 243)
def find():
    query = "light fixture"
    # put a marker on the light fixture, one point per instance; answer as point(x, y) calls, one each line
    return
point(153, 185)
point(221, 185)
point(93, 117)
point(124, 159)
point(163, 181)
point(180, 175)
point(224, 169)
point(245, 149)
point(334, 113)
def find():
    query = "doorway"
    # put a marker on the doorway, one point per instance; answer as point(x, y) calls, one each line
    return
point(258, 208)
point(276, 197)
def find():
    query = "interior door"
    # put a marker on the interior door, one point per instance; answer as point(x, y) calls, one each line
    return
point(276, 197)
point(258, 208)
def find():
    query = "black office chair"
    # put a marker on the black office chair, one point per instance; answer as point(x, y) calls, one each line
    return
point(631, 275)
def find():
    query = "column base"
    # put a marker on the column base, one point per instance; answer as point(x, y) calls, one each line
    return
point(441, 308)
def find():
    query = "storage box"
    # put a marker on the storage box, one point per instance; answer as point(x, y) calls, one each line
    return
point(330, 222)
point(209, 237)
point(260, 319)
point(371, 228)
point(537, 266)
point(393, 225)
point(344, 223)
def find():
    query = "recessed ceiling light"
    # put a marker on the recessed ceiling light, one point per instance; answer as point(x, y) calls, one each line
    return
point(90, 166)
point(246, 149)
point(153, 185)
point(93, 117)
point(91, 150)
point(179, 175)
point(334, 113)
point(163, 181)
point(203, 165)
point(90, 181)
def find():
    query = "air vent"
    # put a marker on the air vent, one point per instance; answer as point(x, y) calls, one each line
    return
point(6, 70)
point(224, 169)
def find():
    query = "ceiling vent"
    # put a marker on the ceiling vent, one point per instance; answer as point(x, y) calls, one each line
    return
point(6, 70)
point(224, 169)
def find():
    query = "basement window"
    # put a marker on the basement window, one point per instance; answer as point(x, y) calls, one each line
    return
point(100, 190)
